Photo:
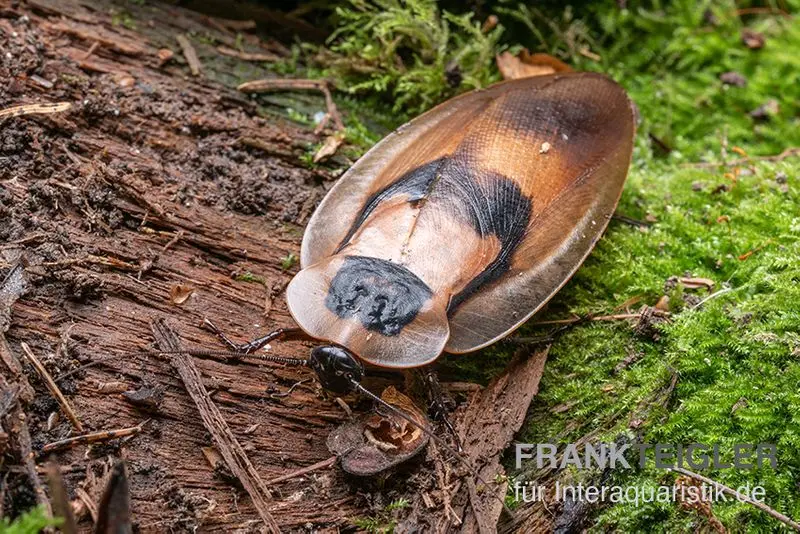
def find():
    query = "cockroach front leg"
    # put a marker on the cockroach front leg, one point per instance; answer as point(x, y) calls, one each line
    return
point(438, 408)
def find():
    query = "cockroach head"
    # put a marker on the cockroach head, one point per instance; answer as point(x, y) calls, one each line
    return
point(337, 369)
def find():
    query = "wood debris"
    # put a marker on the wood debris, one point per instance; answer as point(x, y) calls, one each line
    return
point(93, 437)
point(282, 84)
point(66, 407)
point(190, 54)
point(230, 449)
point(34, 109)
point(247, 56)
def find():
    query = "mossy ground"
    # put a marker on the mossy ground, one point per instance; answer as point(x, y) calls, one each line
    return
point(736, 358)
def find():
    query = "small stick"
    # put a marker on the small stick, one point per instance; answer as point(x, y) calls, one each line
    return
point(615, 317)
point(743, 498)
point(233, 25)
point(51, 385)
point(712, 296)
point(90, 51)
point(232, 452)
point(324, 464)
point(246, 56)
point(93, 437)
point(630, 220)
point(282, 84)
point(34, 109)
point(177, 237)
point(789, 152)
point(190, 54)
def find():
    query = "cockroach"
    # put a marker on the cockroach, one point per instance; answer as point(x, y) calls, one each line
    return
point(457, 227)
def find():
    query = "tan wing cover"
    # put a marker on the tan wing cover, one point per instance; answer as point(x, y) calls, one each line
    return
point(488, 203)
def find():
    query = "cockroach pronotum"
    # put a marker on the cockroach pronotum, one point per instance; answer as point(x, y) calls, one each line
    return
point(458, 226)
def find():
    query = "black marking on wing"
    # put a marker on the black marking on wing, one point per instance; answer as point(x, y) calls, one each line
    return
point(491, 203)
point(383, 295)
point(416, 183)
point(497, 207)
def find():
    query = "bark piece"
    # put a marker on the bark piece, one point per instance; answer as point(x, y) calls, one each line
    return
point(233, 453)
point(487, 429)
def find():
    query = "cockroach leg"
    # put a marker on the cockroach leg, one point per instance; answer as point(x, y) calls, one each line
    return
point(438, 408)
point(250, 346)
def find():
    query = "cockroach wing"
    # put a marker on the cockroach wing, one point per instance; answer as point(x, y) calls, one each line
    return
point(426, 138)
point(568, 148)
point(458, 226)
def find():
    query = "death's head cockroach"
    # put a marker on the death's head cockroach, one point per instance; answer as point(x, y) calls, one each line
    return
point(457, 227)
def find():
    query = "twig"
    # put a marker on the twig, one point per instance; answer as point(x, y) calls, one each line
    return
point(246, 56)
point(789, 152)
point(630, 220)
point(90, 51)
point(762, 11)
point(282, 84)
point(230, 449)
point(190, 54)
point(177, 237)
point(93, 437)
point(615, 317)
point(233, 25)
point(88, 502)
point(51, 385)
point(324, 464)
point(743, 498)
point(34, 109)
point(712, 296)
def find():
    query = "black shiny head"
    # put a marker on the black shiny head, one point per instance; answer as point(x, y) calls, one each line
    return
point(336, 368)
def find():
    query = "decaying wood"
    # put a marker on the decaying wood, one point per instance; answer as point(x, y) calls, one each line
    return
point(280, 84)
point(190, 54)
point(66, 407)
point(34, 109)
point(92, 437)
point(143, 186)
point(233, 453)
point(486, 430)
point(13, 286)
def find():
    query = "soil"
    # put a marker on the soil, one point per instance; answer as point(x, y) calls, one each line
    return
point(145, 184)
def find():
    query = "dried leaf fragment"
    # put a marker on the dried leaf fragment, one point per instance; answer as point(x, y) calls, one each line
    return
point(329, 147)
point(753, 39)
point(179, 293)
point(696, 283)
point(374, 443)
point(526, 65)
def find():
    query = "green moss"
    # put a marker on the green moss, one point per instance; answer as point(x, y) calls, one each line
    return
point(410, 53)
point(31, 522)
point(250, 278)
point(288, 261)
